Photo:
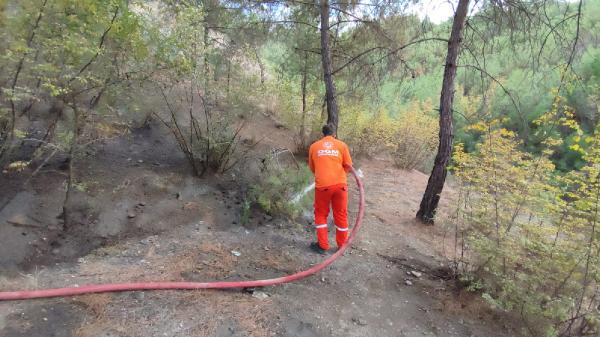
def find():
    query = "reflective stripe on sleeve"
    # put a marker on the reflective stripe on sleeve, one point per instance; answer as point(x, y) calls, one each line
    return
point(341, 229)
point(321, 226)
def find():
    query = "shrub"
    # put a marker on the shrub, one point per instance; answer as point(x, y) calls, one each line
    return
point(208, 141)
point(277, 186)
point(530, 232)
point(367, 133)
point(284, 102)
point(415, 141)
point(411, 137)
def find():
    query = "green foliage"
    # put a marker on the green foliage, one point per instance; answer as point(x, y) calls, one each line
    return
point(514, 88)
point(64, 51)
point(529, 178)
point(201, 100)
point(277, 186)
point(410, 137)
point(416, 137)
point(530, 232)
point(246, 210)
point(366, 132)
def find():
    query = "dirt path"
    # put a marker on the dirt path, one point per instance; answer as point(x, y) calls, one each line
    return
point(365, 293)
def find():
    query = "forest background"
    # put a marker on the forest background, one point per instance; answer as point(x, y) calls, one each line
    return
point(525, 113)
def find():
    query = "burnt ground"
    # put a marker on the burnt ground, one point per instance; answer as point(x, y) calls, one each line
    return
point(142, 216)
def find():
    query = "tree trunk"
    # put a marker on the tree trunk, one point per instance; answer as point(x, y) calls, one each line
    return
point(96, 99)
point(431, 198)
point(228, 75)
point(70, 174)
point(303, 85)
point(261, 66)
point(332, 107)
point(206, 63)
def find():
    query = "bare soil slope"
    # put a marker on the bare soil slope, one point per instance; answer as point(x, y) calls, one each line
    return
point(145, 218)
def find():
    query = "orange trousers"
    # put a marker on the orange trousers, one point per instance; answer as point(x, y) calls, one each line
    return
point(337, 197)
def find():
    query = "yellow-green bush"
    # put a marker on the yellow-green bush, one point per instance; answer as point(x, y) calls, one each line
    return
point(530, 232)
point(411, 137)
point(366, 132)
point(416, 137)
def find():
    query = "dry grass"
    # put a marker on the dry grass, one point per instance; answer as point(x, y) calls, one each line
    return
point(24, 282)
point(250, 315)
point(209, 258)
point(281, 263)
point(109, 250)
point(98, 306)
point(96, 303)
point(99, 327)
point(109, 272)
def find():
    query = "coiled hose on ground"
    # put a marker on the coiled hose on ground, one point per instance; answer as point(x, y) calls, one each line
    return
point(114, 287)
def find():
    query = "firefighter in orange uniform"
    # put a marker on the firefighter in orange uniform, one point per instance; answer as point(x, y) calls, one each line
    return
point(329, 160)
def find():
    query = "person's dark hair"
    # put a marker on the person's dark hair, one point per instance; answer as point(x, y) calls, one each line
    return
point(327, 130)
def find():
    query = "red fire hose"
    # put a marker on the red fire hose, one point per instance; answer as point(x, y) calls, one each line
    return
point(102, 288)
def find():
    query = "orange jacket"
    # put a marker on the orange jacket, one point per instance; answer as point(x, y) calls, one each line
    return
point(329, 159)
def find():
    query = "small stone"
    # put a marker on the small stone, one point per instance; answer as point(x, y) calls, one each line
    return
point(19, 220)
point(131, 215)
point(142, 203)
point(260, 295)
point(416, 273)
point(236, 253)
point(408, 282)
point(267, 249)
point(138, 295)
point(359, 321)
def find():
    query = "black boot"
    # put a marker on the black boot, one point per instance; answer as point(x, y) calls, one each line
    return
point(317, 249)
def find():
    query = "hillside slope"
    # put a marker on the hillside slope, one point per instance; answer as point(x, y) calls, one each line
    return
point(154, 222)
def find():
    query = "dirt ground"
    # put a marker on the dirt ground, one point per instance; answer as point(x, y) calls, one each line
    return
point(143, 217)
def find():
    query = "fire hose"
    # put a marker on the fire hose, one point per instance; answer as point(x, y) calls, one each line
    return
point(140, 286)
